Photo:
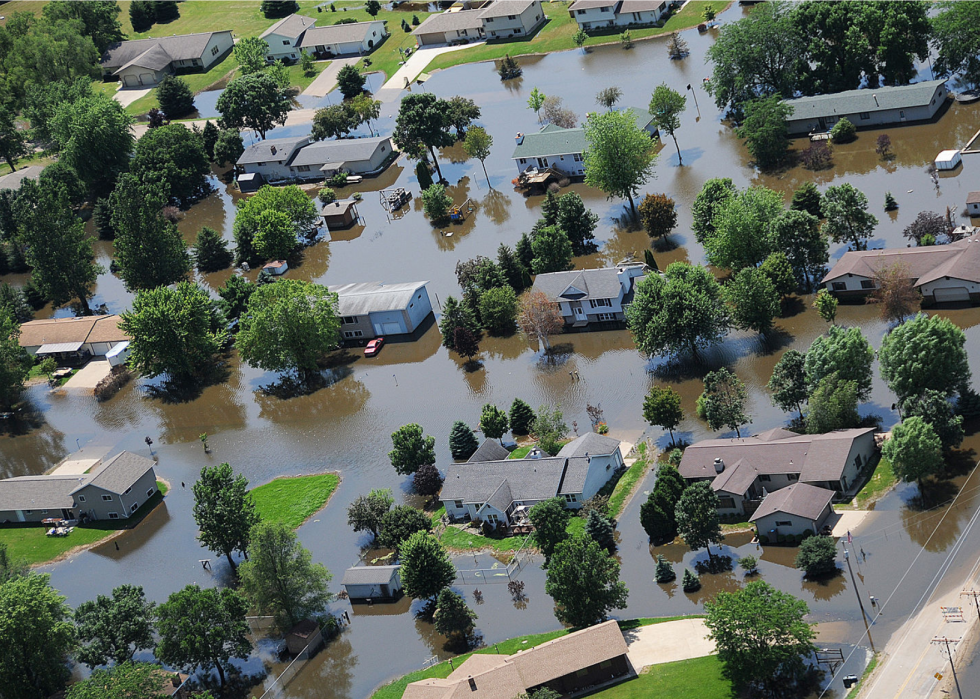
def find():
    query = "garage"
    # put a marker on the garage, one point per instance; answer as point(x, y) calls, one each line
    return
point(130, 81)
point(387, 329)
point(147, 79)
point(954, 294)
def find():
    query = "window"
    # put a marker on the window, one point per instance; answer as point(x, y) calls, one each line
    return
point(584, 671)
point(839, 286)
point(792, 476)
point(597, 303)
point(865, 115)
point(726, 501)
point(113, 515)
point(581, 12)
point(784, 523)
point(260, 163)
point(604, 664)
point(857, 460)
point(511, 16)
point(867, 284)
point(492, 519)
point(606, 316)
point(134, 507)
point(348, 320)
point(523, 161)
point(458, 504)
point(149, 492)
point(285, 42)
point(353, 333)
point(28, 512)
point(303, 168)
point(901, 114)
point(571, 497)
point(44, 512)
point(107, 498)
point(128, 490)
point(81, 498)
point(603, 9)
point(577, 157)
point(764, 478)
point(214, 51)
point(489, 19)
point(662, 6)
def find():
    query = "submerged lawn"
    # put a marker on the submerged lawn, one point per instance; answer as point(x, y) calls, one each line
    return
point(292, 500)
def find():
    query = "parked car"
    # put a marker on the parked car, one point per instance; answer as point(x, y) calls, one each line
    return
point(373, 347)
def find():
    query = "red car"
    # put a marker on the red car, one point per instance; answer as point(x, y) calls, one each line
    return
point(373, 347)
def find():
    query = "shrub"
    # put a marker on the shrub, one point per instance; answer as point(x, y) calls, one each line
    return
point(326, 195)
point(109, 386)
point(338, 180)
point(844, 131)
point(690, 582)
point(890, 203)
point(436, 202)
point(883, 147)
point(818, 156)
point(509, 68)
point(665, 571)
point(817, 556)
point(749, 564)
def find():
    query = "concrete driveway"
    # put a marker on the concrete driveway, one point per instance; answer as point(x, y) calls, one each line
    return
point(89, 375)
point(327, 80)
point(668, 642)
point(415, 64)
point(127, 95)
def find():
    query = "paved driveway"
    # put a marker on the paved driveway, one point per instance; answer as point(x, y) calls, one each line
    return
point(127, 95)
point(667, 642)
point(327, 80)
point(415, 64)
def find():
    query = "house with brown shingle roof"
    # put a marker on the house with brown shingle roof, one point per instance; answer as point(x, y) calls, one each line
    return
point(80, 337)
point(146, 62)
point(793, 510)
point(587, 658)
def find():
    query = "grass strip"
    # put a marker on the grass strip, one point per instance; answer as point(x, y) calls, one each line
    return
point(292, 500)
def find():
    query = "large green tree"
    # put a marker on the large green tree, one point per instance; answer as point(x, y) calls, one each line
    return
point(224, 511)
point(367, 511)
point(722, 404)
point(753, 301)
point(498, 310)
point(550, 520)
point(713, 196)
point(848, 219)
point(788, 382)
point(334, 121)
point(228, 147)
point(94, 138)
point(173, 156)
point(576, 222)
point(452, 617)
point(797, 234)
point(619, 156)
point(658, 514)
point(552, 251)
point(845, 351)
point(423, 124)
point(211, 252)
point(400, 522)
point(456, 316)
point(113, 629)
point(99, 19)
point(203, 629)
point(697, 517)
point(741, 228)
point(462, 441)
point(250, 52)
point(935, 408)
point(411, 449)
point(521, 417)
point(13, 141)
point(253, 101)
point(662, 408)
point(927, 352)
point(493, 421)
point(350, 82)
point(832, 405)
point(176, 99)
point(426, 569)
point(914, 450)
point(666, 107)
point(290, 200)
point(15, 362)
point(955, 35)
point(765, 130)
point(583, 580)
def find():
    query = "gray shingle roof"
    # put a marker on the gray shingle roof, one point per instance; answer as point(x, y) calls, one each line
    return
point(38, 493)
point(118, 473)
point(335, 34)
point(12, 180)
point(590, 443)
point(528, 479)
point(342, 151)
point(373, 297)
point(450, 22)
point(505, 8)
point(639, 6)
point(490, 450)
point(551, 140)
point(181, 47)
point(154, 58)
point(262, 151)
point(800, 499)
point(290, 27)
point(579, 284)
point(502, 496)
point(868, 100)
point(369, 575)
point(576, 472)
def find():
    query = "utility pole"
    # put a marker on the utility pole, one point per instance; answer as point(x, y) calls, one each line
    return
point(974, 594)
point(946, 640)
point(847, 557)
point(694, 92)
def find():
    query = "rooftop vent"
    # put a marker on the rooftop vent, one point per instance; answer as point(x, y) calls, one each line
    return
point(472, 683)
point(535, 453)
point(719, 465)
point(273, 149)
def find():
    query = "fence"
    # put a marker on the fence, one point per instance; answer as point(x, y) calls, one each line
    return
point(502, 574)
point(260, 624)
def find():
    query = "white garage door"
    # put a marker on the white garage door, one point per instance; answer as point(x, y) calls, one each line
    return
point(147, 79)
point(951, 294)
point(391, 328)
point(131, 81)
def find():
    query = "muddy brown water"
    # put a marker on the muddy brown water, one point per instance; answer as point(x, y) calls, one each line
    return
point(345, 425)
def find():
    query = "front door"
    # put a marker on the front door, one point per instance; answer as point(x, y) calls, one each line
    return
point(579, 313)
point(542, 162)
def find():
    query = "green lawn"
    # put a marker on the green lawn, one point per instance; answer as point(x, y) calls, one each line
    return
point(627, 482)
point(243, 18)
point(292, 500)
point(881, 482)
point(521, 452)
point(24, 162)
point(29, 544)
point(697, 678)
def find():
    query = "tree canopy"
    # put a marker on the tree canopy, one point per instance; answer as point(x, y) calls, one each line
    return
point(426, 569)
point(173, 156)
point(94, 138)
point(290, 200)
point(788, 382)
point(753, 301)
point(845, 351)
point(15, 362)
point(666, 107)
point(113, 629)
point(722, 404)
point(253, 101)
point(914, 450)
point(411, 449)
point(422, 123)
point(832, 405)
point(765, 130)
point(697, 517)
point(619, 157)
point(927, 352)
point(224, 510)
point(848, 219)
point(583, 580)
point(740, 233)
point(662, 408)
point(550, 520)
point(954, 33)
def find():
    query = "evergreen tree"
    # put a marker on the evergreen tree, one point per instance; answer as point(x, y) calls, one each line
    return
point(462, 441)
point(665, 571)
point(211, 252)
point(452, 617)
point(600, 529)
point(517, 277)
point(455, 315)
point(577, 222)
point(691, 582)
point(141, 15)
point(176, 99)
point(807, 198)
point(521, 417)
point(210, 137)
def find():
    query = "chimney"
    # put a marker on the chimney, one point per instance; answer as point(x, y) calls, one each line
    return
point(273, 149)
point(535, 453)
point(719, 465)
point(588, 458)
point(876, 100)
point(472, 683)
point(519, 138)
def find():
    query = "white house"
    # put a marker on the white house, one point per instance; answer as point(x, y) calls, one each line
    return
point(742, 471)
point(972, 202)
point(942, 273)
point(509, 18)
point(502, 491)
point(591, 295)
point(72, 337)
point(793, 510)
point(145, 62)
point(640, 12)
point(449, 27)
point(594, 14)
point(299, 158)
point(284, 37)
point(353, 39)
point(372, 583)
point(373, 309)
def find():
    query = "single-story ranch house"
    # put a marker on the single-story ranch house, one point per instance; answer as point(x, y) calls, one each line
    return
point(793, 510)
point(145, 62)
point(373, 583)
point(300, 158)
point(503, 490)
point(72, 338)
point(591, 295)
point(373, 309)
point(497, 20)
point(595, 14)
point(743, 471)
point(112, 489)
point(595, 655)
point(942, 273)
point(870, 107)
point(354, 39)
point(12, 180)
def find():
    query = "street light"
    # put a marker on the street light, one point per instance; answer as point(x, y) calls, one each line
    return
point(694, 92)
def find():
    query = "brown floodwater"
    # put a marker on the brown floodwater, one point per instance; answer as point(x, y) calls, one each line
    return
point(344, 426)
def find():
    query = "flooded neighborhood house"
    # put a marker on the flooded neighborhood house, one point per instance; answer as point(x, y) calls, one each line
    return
point(793, 510)
point(591, 295)
point(374, 309)
point(289, 159)
point(72, 340)
point(372, 583)
point(596, 14)
point(496, 20)
point(146, 62)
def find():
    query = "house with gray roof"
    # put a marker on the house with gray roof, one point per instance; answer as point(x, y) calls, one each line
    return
point(599, 14)
point(793, 510)
point(490, 450)
point(352, 39)
point(372, 583)
point(501, 492)
point(591, 295)
point(450, 27)
point(300, 158)
point(284, 37)
point(374, 309)
point(13, 179)
point(743, 471)
point(498, 19)
point(145, 62)
point(112, 488)
point(868, 107)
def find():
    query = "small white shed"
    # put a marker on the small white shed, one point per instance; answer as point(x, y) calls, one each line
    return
point(118, 354)
point(948, 160)
point(373, 583)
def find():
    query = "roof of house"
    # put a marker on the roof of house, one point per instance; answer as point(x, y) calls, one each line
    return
point(12, 180)
point(83, 330)
point(800, 499)
point(291, 26)
point(590, 443)
point(489, 676)
point(505, 8)
point(490, 450)
point(353, 32)
point(304, 628)
point(640, 6)
point(551, 140)
point(274, 149)
point(449, 22)
point(340, 151)
point(868, 100)
point(338, 207)
point(369, 575)
point(580, 284)
point(154, 58)
point(180, 47)
point(590, 4)
point(118, 473)
point(816, 457)
point(971, 198)
point(960, 260)
point(362, 298)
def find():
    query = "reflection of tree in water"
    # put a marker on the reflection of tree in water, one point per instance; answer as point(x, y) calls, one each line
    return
point(37, 446)
point(312, 262)
point(924, 522)
point(510, 347)
point(124, 410)
point(218, 405)
point(826, 587)
point(557, 358)
point(673, 553)
point(711, 585)
point(475, 377)
point(496, 205)
point(340, 396)
point(329, 674)
point(455, 153)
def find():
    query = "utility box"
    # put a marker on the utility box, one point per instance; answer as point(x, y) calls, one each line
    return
point(948, 160)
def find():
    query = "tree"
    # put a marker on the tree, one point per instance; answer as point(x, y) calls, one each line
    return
point(493, 421)
point(833, 405)
point(580, 37)
point(498, 309)
point(666, 107)
point(367, 511)
point(765, 129)
point(690, 582)
point(250, 52)
point(427, 480)
point(13, 303)
point(436, 202)
point(662, 408)
point(712, 197)
point(279, 73)
point(477, 145)
point(817, 556)
point(452, 617)
point(521, 417)
point(665, 572)
point(94, 138)
point(15, 362)
point(173, 157)
point(290, 200)
point(549, 428)
point(807, 198)
point(847, 352)
point(455, 316)
point(600, 529)
point(228, 148)
point(552, 251)
point(411, 449)
point(235, 295)
point(516, 275)
point(422, 124)
point(350, 82)
point(56, 245)
point(113, 629)
point(927, 226)
point(797, 235)
point(373, 7)
point(619, 157)
point(307, 62)
point(657, 514)
point(150, 251)
point(141, 15)
point(936, 410)
point(762, 637)
point(722, 404)
point(788, 382)
point(172, 332)
point(254, 102)
point(536, 101)
point(608, 97)
point(555, 113)
point(576, 222)
point(462, 442)
point(749, 564)
point(742, 228)
point(778, 270)
point(954, 35)
point(539, 316)
point(697, 517)
point(753, 301)
point(224, 511)
point(509, 68)
point(848, 219)
point(273, 9)
point(678, 310)
point(211, 253)
point(166, 11)
point(583, 580)
point(466, 343)
point(826, 305)
point(550, 520)
point(460, 113)
point(13, 144)
point(677, 46)
point(175, 97)
point(37, 634)
point(914, 450)
point(203, 629)
point(708, 13)
point(280, 578)
point(125, 681)
point(658, 215)
point(274, 238)
point(426, 568)
point(895, 292)
point(883, 146)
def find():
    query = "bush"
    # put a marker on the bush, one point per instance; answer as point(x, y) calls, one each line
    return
point(326, 195)
point(436, 202)
point(817, 556)
point(844, 131)
point(665, 571)
point(509, 68)
point(749, 564)
point(690, 582)
point(109, 386)
point(338, 180)
point(818, 156)
point(890, 203)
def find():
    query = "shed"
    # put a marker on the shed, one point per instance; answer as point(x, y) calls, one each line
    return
point(118, 354)
point(973, 203)
point(373, 583)
point(339, 214)
point(793, 510)
point(250, 182)
point(275, 268)
point(948, 160)
point(305, 635)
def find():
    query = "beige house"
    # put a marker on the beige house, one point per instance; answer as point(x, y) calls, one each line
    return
point(72, 338)
point(284, 37)
point(792, 511)
point(145, 62)
point(287, 159)
point(510, 18)
point(450, 27)
point(343, 39)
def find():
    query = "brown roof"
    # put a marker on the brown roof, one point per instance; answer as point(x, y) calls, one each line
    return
point(973, 198)
point(800, 499)
point(85, 329)
point(960, 260)
point(304, 629)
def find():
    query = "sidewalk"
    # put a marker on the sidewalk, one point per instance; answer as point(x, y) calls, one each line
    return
point(413, 67)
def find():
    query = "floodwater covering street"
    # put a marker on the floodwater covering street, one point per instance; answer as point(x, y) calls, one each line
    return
point(345, 426)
